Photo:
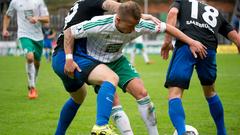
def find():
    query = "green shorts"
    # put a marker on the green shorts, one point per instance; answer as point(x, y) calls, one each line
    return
point(125, 71)
point(139, 46)
point(29, 45)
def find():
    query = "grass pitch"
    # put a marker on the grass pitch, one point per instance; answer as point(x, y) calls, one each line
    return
point(21, 116)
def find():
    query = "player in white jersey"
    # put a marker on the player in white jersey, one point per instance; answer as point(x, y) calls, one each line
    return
point(138, 45)
point(106, 36)
point(30, 16)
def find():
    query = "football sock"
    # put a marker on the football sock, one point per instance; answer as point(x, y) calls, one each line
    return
point(132, 57)
point(67, 114)
point(216, 110)
point(121, 120)
point(147, 110)
point(36, 74)
point(177, 115)
point(30, 69)
point(145, 56)
point(104, 103)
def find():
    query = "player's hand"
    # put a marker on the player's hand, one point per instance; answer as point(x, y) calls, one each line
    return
point(165, 50)
point(198, 48)
point(152, 18)
point(5, 34)
point(70, 67)
point(33, 19)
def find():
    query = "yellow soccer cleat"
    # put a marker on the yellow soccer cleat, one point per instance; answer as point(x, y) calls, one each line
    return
point(102, 130)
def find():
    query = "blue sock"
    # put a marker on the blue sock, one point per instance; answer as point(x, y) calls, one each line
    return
point(105, 99)
point(177, 115)
point(216, 110)
point(46, 55)
point(67, 114)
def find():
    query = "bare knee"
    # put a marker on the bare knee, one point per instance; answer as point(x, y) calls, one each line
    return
point(113, 78)
point(209, 90)
point(136, 88)
point(30, 58)
point(79, 95)
point(175, 92)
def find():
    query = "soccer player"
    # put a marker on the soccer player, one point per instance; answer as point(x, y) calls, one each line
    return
point(49, 35)
point(81, 11)
point(30, 16)
point(201, 22)
point(138, 45)
point(106, 37)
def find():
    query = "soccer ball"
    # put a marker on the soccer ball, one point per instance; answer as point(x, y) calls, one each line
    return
point(189, 129)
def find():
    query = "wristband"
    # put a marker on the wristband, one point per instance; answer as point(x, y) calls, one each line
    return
point(69, 56)
point(163, 27)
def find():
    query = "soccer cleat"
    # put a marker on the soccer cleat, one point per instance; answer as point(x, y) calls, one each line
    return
point(102, 130)
point(32, 93)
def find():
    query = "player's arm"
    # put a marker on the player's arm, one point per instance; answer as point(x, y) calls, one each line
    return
point(227, 31)
point(77, 31)
point(235, 37)
point(6, 22)
point(195, 46)
point(111, 5)
point(44, 15)
point(6, 19)
point(167, 43)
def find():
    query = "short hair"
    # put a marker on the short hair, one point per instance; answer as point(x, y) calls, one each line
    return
point(129, 9)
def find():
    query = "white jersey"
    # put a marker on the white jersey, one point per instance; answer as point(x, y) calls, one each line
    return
point(104, 41)
point(24, 10)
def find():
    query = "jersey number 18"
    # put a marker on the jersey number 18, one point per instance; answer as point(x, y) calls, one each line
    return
point(209, 16)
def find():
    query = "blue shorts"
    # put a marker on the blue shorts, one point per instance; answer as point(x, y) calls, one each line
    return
point(47, 43)
point(181, 68)
point(85, 64)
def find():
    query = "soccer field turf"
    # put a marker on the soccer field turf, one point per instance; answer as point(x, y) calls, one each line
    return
point(21, 116)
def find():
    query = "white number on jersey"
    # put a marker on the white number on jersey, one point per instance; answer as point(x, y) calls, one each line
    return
point(209, 16)
point(71, 14)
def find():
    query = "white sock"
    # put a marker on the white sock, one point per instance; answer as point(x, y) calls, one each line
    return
point(147, 110)
point(36, 74)
point(145, 56)
point(121, 120)
point(132, 57)
point(30, 68)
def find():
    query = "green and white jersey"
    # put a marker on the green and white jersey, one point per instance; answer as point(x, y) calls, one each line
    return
point(104, 42)
point(24, 10)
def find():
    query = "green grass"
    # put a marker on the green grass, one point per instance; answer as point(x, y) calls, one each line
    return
point(18, 115)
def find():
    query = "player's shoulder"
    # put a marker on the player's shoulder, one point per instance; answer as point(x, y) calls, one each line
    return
point(146, 24)
point(103, 18)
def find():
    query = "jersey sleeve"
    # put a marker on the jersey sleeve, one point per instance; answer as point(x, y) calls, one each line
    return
point(176, 4)
point(94, 26)
point(11, 9)
point(43, 9)
point(148, 27)
point(225, 27)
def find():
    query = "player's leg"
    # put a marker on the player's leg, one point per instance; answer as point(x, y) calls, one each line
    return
point(132, 56)
point(108, 80)
point(178, 78)
point(130, 82)
point(207, 75)
point(28, 48)
point(70, 109)
point(76, 89)
point(120, 117)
